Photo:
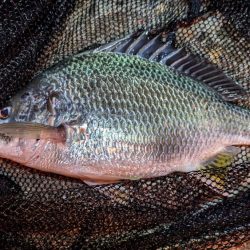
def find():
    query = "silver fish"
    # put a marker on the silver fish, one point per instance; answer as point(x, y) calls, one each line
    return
point(103, 116)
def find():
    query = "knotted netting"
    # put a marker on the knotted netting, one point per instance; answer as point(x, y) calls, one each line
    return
point(178, 211)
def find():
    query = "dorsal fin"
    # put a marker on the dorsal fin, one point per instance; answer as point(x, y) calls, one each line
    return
point(159, 47)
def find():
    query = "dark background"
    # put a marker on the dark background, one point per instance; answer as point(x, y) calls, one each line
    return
point(180, 211)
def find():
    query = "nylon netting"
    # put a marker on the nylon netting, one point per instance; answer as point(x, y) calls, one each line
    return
point(178, 211)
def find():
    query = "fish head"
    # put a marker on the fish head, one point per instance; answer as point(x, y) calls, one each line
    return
point(21, 108)
point(40, 102)
point(28, 105)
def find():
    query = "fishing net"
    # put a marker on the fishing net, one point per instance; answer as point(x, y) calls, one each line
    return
point(195, 210)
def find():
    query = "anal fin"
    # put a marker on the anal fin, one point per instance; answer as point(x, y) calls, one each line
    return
point(223, 159)
point(216, 168)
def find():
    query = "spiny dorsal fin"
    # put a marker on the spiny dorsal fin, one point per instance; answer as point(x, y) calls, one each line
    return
point(144, 44)
point(159, 47)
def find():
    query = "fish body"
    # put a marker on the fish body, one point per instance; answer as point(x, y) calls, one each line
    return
point(123, 117)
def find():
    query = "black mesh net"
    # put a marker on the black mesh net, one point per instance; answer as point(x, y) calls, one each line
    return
point(178, 211)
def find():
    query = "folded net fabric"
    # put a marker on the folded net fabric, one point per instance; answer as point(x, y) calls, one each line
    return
point(178, 211)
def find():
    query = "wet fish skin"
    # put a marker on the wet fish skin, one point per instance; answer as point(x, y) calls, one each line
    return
point(126, 118)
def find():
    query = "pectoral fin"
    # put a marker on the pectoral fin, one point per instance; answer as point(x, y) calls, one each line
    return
point(33, 131)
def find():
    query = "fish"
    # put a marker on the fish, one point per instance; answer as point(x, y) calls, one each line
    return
point(134, 108)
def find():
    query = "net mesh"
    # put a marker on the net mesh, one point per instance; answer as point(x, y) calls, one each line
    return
point(178, 211)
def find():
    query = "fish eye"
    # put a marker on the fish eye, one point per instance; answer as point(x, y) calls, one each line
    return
point(5, 112)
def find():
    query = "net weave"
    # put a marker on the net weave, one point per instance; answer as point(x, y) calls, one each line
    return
point(178, 211)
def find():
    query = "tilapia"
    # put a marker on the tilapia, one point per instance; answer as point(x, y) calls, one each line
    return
point(135, 108)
